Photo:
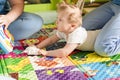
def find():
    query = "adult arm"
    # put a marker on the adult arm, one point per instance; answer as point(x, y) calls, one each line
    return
point(17, 7)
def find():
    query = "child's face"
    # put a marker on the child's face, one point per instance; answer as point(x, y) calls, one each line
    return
point(62, 22)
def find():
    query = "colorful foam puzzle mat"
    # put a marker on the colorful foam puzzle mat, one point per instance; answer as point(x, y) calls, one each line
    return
point(80, 65)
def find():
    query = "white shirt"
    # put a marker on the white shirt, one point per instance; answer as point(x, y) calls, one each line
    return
point(79, 35)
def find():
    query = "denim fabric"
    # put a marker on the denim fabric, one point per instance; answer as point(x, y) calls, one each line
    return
point(106, 18)
point(25, 25)
point(116, 2)
point(2, 6)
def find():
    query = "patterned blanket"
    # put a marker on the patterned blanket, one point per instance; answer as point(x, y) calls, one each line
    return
point(80, 65)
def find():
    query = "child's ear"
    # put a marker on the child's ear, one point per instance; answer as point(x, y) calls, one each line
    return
point(73, 25)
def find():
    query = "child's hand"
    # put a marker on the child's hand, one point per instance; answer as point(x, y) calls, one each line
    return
point(42, 52)
point(32, 50)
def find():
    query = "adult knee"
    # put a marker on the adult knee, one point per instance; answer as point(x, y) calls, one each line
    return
point(37, 21)
point(108, 47)
point(25, 26)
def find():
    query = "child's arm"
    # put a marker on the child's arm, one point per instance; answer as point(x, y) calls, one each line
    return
point(48, 41)
point(62, 52)
point(34, 50)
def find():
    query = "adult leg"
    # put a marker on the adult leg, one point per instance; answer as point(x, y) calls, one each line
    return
point(97, 18)
point(26, 25)
point(108, 40)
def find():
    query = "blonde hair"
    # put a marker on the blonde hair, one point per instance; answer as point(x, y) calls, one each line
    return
point(75, 13)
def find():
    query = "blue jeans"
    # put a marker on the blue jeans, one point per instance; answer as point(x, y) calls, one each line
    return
point(106, 18)
point(26, 25)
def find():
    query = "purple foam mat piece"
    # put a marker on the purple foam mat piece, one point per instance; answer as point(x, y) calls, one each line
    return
point(69, 73)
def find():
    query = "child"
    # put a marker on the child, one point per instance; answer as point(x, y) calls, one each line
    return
point(68, 23)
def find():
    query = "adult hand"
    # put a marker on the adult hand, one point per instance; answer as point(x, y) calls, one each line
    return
point(4, 21)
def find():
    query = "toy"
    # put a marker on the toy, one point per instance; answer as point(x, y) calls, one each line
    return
point(6, 40)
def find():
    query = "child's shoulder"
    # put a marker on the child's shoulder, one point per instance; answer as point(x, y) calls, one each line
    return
point(80, 29)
